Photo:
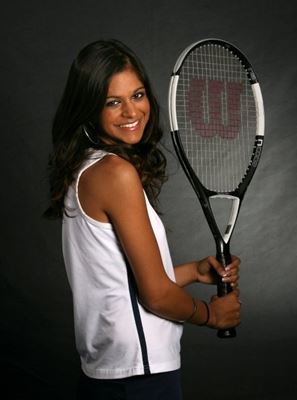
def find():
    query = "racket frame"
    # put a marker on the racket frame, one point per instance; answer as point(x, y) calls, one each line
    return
point(204, 195)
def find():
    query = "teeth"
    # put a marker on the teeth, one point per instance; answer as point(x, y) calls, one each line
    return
point(132, 125)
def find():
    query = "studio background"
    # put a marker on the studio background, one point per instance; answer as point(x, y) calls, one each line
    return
point(39, 40)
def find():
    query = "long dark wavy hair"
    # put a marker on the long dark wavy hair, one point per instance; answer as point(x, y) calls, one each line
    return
point(79, 109)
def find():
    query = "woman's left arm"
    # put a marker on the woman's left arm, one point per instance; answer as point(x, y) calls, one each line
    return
point(208, 270)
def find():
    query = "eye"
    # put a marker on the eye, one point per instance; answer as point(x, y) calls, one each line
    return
point(112, 103)
point(139, 95)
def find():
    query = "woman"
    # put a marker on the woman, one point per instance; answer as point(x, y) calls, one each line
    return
point(106, 170)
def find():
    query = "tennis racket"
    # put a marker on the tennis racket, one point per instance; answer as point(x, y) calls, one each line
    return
point(216, 117)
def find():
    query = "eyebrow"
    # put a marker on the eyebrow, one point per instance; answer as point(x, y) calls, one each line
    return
point(136, 90)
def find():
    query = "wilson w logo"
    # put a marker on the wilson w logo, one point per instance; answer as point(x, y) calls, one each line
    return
point(214, 108)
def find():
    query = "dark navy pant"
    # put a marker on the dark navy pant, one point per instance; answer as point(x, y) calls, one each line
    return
point(163, 386)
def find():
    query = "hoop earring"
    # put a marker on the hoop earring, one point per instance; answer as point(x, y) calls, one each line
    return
point(88, 136)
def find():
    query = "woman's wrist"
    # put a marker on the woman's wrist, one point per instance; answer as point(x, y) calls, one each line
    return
point(200, 314)
point(197, 273)
point(207, 313)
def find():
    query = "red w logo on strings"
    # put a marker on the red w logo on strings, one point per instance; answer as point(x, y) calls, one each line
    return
point(214, 107)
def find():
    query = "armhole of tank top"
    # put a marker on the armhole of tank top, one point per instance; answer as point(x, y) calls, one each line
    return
point(105, 225)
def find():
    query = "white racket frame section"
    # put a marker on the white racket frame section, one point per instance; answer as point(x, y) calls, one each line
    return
point(259, 109)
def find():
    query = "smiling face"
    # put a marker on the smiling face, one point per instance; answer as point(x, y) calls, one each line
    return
point(126, 110)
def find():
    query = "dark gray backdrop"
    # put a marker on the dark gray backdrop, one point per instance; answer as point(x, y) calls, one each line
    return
point(38, 42)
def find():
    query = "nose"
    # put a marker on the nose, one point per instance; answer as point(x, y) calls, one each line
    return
point(129, 110)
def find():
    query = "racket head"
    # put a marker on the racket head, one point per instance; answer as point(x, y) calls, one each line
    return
point(216, 116)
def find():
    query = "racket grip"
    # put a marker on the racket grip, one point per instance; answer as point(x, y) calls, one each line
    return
point(224, 288)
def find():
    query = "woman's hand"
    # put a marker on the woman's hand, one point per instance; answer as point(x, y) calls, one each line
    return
point(224, 311)
point(209, 269)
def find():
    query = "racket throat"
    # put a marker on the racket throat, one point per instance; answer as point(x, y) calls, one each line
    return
point(223, 205)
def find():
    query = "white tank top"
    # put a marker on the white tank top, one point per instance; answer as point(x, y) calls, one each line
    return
point(115, 336)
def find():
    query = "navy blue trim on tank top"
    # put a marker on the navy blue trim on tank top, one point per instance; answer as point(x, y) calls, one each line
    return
point(137, 317)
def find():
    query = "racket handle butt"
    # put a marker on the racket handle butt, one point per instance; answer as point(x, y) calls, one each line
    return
point(226, 333)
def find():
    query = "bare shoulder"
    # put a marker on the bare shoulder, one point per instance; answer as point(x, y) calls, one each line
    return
point(117, 168)
point(111, 174)
point(109, 185)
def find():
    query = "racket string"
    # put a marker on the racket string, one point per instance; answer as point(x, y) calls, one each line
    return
point(217, 117)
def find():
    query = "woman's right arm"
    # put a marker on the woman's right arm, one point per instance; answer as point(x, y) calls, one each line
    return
point(111, 190)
